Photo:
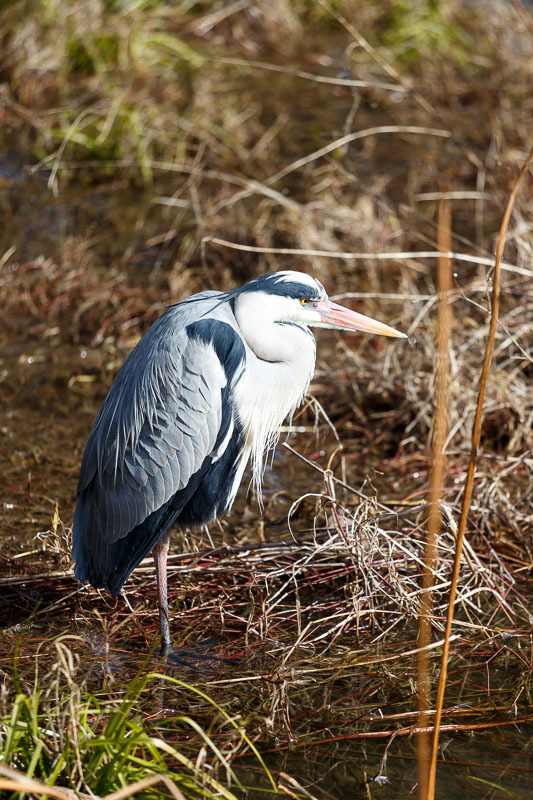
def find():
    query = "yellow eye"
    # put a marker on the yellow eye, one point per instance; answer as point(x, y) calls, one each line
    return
point(304, 301)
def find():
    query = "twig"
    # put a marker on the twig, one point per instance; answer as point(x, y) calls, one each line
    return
point(145, 783)
point(298, 73)
point(403, 255)
point(408, 731)
point(353, 137)
point(390, 514)
point(19, 782)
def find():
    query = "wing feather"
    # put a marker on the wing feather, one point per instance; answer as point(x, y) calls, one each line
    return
point(159, 423)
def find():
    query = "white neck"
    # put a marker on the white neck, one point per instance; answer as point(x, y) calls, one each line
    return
point(260, 317)
point(278, 370)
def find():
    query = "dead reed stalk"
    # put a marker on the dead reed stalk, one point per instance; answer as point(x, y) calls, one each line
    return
point(438, 471)
point(476, 436)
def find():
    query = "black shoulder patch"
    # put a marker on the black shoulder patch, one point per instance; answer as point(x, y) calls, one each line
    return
point(225, 340)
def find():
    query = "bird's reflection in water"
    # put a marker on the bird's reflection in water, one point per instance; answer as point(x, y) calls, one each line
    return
point(204, 658)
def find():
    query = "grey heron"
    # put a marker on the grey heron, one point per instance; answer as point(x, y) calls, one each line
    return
point(204, 391)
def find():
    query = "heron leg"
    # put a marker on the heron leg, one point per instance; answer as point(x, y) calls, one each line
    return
point(160, 553)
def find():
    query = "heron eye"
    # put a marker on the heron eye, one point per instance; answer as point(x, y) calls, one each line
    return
point(304, 301)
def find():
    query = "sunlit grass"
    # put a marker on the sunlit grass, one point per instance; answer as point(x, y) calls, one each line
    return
point(63, 733)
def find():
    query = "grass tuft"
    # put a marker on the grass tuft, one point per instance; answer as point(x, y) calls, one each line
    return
point(60, 732)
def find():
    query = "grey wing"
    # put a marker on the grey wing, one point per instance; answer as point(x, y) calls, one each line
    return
point(159, 422)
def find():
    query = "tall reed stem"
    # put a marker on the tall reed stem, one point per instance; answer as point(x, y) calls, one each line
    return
point(438, 469)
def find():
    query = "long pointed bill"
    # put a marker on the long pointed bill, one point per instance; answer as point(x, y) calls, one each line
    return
point(347, 320)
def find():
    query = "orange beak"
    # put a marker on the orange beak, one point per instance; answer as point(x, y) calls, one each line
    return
point(344, 319)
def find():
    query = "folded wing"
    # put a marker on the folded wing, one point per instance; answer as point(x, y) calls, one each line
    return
point(165, 419)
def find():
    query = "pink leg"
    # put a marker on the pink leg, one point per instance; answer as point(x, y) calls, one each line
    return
point(160, 553)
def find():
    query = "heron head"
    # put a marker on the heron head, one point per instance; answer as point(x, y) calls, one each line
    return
point(292, 296)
